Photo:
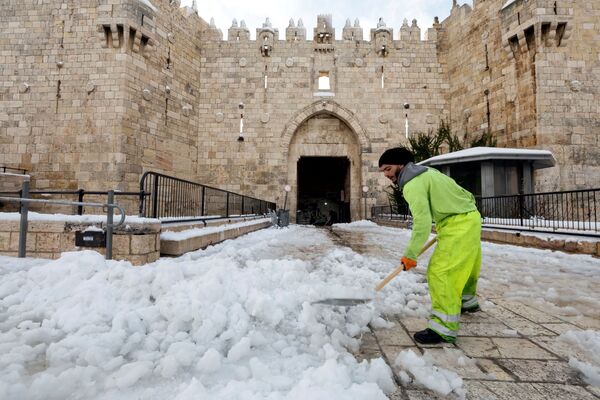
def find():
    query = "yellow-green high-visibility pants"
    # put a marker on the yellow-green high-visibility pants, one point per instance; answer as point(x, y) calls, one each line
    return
point(453, 271)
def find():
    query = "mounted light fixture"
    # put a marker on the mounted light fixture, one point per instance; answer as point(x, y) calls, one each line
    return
point(241, 136)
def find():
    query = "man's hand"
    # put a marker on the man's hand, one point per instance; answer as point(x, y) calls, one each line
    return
point(408, 263)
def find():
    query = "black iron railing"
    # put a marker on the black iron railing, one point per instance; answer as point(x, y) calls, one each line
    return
point(79, 194)
point(569, 211)
point(173, 199)
point(398, 211)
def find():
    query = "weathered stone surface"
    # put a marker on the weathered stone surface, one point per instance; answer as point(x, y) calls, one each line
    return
point(520, 348)
point(396, 336)
point(542, 371)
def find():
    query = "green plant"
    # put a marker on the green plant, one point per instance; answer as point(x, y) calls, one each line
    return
point(485, 140)
point(425, 145)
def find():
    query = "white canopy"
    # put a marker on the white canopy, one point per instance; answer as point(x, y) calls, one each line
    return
point(540, 158)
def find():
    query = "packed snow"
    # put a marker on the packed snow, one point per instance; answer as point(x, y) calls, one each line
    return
point(195, 232)
point(588, 342)
point(237, 319)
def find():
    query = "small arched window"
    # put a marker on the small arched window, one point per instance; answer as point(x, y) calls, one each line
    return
point(324, 80)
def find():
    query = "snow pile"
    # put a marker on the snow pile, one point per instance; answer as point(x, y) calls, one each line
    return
point(425, 373)
point(232, 321)
point(588, 342)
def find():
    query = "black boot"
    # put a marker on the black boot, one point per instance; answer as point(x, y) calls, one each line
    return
point(427, 336)
point(470, 310)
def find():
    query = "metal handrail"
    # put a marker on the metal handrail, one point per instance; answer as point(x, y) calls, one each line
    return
point(24, 202)
point(173, 199)
point(574, 212)
point(71, 203)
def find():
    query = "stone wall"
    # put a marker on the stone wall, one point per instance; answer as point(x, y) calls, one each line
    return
point(137, 243)
point(93, 93)
point(279, 90)
point(534, 66)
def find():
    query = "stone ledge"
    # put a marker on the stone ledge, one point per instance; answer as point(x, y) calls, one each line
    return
point(179, 247)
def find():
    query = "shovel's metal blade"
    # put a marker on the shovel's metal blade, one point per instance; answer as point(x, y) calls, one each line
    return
point(342, 302)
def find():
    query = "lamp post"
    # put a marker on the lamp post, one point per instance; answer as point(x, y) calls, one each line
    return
point(406, 107)
point(287, 189)
point(241, 136)
point(365, 190)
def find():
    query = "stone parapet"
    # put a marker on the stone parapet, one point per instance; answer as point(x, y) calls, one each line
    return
point(135, 242)
point(201, 241)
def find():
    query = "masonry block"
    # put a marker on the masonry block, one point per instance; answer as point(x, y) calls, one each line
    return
point(142, 244)
point(47, 242)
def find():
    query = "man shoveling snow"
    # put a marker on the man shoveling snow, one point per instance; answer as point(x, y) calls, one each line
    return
point(454, 266)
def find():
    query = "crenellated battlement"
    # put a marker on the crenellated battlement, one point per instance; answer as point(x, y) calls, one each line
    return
point(529, 25)
point(324, 33)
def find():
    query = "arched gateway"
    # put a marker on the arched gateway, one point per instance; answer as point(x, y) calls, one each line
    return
point(324, 143)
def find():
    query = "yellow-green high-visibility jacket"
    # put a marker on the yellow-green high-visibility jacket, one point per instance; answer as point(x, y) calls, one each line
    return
point(430, 195)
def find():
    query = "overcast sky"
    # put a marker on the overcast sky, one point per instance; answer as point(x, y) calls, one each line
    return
point(279, 12)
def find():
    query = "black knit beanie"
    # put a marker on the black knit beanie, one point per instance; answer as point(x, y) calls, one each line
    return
point(396, 156)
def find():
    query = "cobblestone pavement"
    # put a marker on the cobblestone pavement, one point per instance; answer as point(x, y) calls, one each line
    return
point(507, 350)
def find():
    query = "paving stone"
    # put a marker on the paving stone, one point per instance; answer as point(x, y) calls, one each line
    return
point(513, 391)
point(584, 322)
point(478, 347)
point(563, 392)
point(391, 352)
point(422, 394)
point(492, 370)
point(368, 341)
point(479, 316)
point(541, 371)
point(527, 311)
point(594, 390)
point(521, 348)
point(486, 329)
point(456, 360)
point(522, 325)
point(367, 354)
point(560, 328)
point(395, 336)
point(560, 348)
point(398, 395)
point(477, 390)
point(413, 324)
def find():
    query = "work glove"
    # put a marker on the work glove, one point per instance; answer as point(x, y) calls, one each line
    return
point(408, 263)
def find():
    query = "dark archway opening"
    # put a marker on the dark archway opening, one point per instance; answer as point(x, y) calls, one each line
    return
point(323, 190)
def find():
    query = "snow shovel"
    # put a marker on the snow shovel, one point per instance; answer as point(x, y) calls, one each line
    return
point(380, 285)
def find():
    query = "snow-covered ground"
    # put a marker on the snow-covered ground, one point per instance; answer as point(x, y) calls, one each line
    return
point(235, 321)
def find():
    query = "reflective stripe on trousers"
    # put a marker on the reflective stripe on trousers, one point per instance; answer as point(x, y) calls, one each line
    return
point(445, 317)
point(469, 301)
point(439, 328)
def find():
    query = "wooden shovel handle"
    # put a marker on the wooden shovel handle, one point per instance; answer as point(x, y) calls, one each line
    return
point(395, 272)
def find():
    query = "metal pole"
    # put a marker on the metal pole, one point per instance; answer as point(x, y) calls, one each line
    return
point(23, 224)
point(80, 199)
point(285, 201)
point(365, 206)
point(227, 206)
point(109, 224)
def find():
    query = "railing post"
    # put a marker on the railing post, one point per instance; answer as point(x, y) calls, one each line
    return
point(23, 225)
point(80, 199)
point(203, 199)
point(227, 205)
point(521, 205)
point(243, 205)
point(109, 224)
point(155, 197)
point(142, 198)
